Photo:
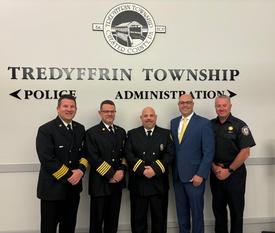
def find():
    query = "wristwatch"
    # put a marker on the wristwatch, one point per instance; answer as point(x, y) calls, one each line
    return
point(231, 170)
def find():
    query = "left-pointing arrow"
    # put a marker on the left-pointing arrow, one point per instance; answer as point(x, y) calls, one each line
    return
point(15, 94)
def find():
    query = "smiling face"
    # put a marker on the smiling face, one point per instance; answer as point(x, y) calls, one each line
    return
point(223, 107)
point(186, 105)
point(66, 110)
point(148, 118)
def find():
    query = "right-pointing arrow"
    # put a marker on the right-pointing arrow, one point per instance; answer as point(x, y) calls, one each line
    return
point(231, 94)
point(15, 94)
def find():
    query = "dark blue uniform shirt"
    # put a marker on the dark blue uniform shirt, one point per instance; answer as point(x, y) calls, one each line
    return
point(231, 136)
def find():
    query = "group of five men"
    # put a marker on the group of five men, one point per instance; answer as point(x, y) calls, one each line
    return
point(193, 146)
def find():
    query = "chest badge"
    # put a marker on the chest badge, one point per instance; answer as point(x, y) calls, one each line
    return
point(230, 129)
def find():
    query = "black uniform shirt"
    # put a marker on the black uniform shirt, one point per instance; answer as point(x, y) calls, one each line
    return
point(231, 136)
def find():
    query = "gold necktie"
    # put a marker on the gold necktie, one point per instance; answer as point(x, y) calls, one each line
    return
point(183, 128)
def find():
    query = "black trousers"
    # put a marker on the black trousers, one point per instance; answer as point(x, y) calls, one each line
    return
point(229, 192)
point(140, 205)
point(105, 211)
point(62, 212)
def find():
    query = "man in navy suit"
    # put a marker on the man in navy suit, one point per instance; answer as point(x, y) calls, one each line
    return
point(194, 146)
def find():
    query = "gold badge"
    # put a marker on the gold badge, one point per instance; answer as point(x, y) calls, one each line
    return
point(230, 128)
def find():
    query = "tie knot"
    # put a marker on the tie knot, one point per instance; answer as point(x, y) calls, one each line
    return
point(149, 133)
point(111, 129)
point(69, 127)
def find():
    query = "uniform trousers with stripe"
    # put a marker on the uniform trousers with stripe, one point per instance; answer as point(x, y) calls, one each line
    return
point(104, 211)
point(229, 192)
point(140, 205)
point(62, 213)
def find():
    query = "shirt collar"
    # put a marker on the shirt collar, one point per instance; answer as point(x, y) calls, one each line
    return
point(146, 130)
point(229, 119)
point(65, 123)
point(107, 126)
point(188, 117)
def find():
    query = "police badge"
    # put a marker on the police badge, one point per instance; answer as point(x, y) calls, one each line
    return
point(230, 129)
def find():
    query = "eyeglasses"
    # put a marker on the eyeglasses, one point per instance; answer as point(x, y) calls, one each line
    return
point(108, 111)
point(186, 102)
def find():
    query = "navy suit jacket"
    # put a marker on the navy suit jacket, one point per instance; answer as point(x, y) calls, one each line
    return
point(195, 153)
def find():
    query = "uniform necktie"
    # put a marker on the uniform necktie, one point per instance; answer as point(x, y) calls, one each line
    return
point(69, 127)
point(149, 133)
point(112, 135)
point(111, 129)
point(183, 128)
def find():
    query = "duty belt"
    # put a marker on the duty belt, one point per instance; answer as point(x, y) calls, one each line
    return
point(224, 165)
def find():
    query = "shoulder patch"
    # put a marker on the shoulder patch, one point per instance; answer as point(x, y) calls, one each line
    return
point(245, 130)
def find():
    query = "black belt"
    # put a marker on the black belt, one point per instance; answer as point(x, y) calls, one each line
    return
point(223, 164)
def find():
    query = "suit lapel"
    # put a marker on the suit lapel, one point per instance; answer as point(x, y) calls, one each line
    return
point(62, 128)
point(104, 131)
point(148, 142)
point(142, 133)
point(108, 138)
point(76, 132)
point(143, 137)
point(154, 135)
point(189, 128)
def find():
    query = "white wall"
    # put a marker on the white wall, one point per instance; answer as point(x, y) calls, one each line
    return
point(213, 34)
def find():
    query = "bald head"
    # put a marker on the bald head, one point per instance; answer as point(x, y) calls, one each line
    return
point(148, 118)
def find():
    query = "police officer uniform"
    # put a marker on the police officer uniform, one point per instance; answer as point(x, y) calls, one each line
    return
point(60, 151)
point(155, 151)
point(106, 156)
point(231, 136)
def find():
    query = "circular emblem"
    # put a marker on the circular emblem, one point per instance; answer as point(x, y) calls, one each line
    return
point(245, 130)
point(129, 28)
